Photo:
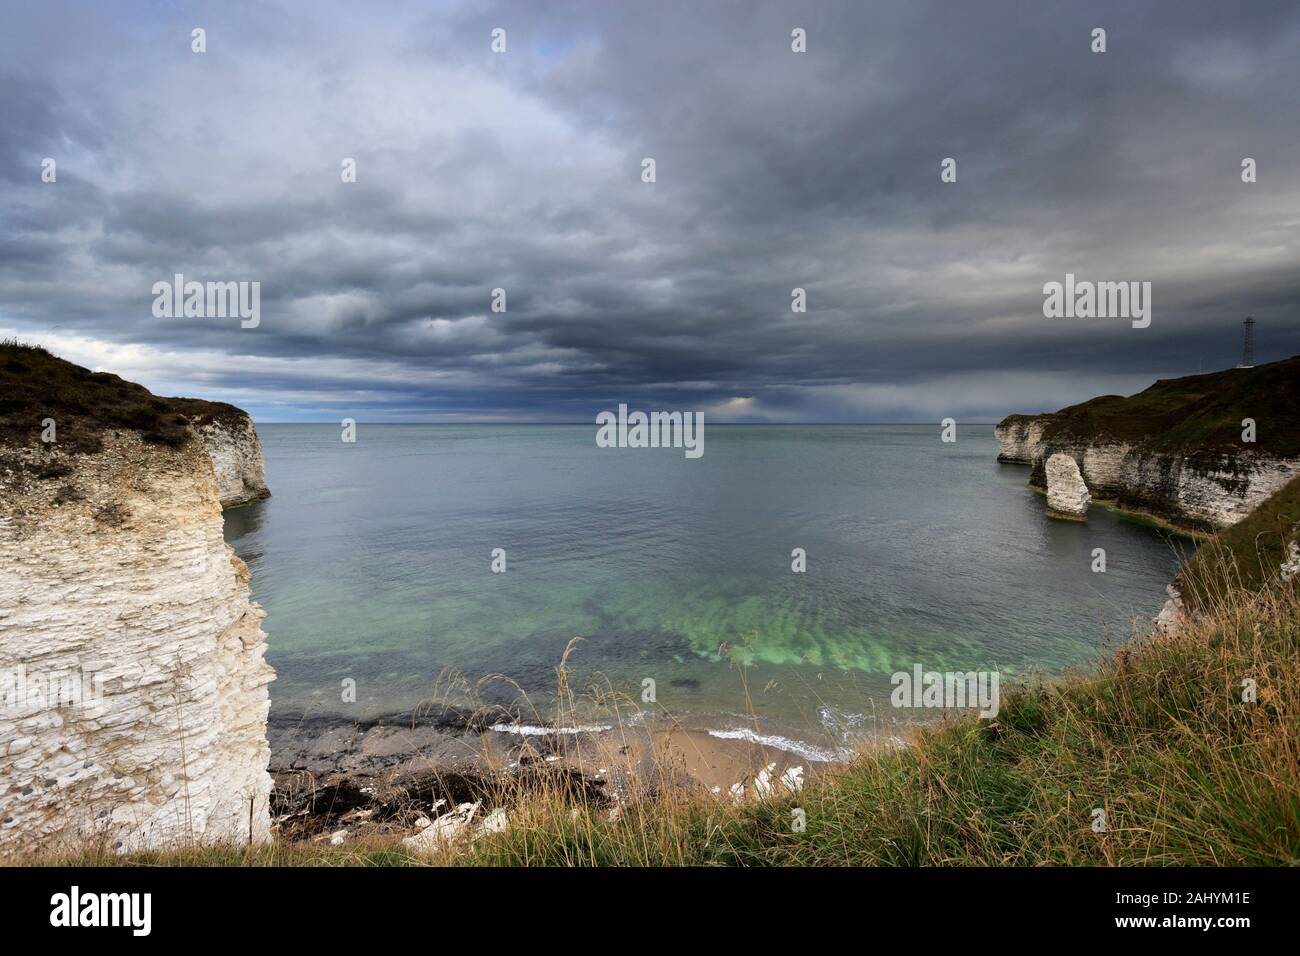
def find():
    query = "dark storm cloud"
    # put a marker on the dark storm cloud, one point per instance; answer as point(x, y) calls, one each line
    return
point(775, 170)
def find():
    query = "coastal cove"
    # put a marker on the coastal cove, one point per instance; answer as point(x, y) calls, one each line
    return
point(357, 514)
point(373, 562)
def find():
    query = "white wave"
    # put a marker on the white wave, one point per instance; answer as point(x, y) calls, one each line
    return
point(805, 750)
point(840, 721)
point(531, 730)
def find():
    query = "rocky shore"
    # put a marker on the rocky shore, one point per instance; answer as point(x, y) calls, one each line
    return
point(343, 780)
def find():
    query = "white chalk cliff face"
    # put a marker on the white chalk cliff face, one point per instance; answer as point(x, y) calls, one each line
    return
point(237, 459)
point(1067, 495)
point(131, 657)
point(1205, 492)
point(1020, 438)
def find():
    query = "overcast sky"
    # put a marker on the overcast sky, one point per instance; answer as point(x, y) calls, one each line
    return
point(523, 170)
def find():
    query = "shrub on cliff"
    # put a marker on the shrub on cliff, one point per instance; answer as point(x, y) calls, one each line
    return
point(35, 385)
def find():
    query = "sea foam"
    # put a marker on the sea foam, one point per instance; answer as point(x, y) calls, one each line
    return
point(805, 750)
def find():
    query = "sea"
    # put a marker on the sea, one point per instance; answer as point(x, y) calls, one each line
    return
point(771, 589)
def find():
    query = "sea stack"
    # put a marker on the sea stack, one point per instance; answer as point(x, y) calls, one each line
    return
point(1067, 495)
point(131, 656)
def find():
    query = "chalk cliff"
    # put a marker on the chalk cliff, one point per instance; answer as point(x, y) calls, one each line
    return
point(233, 446)
point(1201, 452)
point(132, 665)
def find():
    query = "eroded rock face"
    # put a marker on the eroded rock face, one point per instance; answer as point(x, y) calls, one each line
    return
point(236, 457)
point(1203, 492)
point(1067, 495)
point(1020, 438)
point(131, 657)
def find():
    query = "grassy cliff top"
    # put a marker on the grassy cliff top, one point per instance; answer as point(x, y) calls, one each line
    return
point(1199, 412)
point(35, 385)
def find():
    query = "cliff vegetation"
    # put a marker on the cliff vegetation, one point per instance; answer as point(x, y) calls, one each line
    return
point(1201, 412)
point(35, 385)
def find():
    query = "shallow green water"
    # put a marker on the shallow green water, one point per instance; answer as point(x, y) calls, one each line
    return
point(373, 561)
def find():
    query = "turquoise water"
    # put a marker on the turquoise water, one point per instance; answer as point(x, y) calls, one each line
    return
point(373, 561)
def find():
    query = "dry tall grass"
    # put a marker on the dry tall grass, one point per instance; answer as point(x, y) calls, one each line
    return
point(1163, 737)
